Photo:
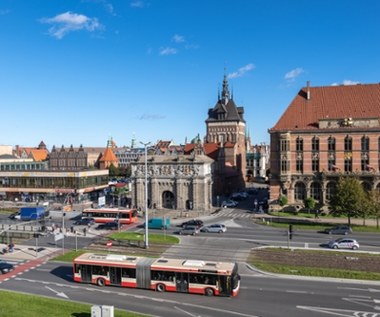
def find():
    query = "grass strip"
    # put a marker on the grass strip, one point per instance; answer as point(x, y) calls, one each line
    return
point(21, 305)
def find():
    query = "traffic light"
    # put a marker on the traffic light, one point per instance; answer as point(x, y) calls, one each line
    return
point(290, 232)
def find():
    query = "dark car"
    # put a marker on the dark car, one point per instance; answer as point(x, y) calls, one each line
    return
point(5, 267)
point(108, 226)
point(341, 229)
point(84, 222)
point(194, 222)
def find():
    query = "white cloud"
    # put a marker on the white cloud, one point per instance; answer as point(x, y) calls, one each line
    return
point(178, 38)
point(137, 4)
point(346, 82)
point(67, 22)
point(241, 71)
point(168, 51)
point(293, 74)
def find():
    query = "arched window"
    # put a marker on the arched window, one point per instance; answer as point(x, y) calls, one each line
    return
point(315, 144)
point(330, 190)
point(365, 143)
point(331, 143)
point(348, 143)
point(299, 191)
point(315, 190)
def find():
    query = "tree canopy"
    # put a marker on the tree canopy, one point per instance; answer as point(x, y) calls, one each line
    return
point(349, 198)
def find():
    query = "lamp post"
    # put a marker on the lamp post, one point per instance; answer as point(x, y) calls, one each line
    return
point(146, 238)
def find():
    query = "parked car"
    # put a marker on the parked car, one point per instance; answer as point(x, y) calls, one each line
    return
point(108, 226)
point(218, 228)
point(344, 243)
point(340, 229)
point(84, 222)
point(14, 216)
point(229, 203)
point(5, 267)
point(193, 222)
point(189, 230)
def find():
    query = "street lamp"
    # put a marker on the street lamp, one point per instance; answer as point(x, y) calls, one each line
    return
point(146, 239)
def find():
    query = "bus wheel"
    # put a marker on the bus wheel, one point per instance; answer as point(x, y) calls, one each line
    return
point(101, 282)
point(160, 288)
point(209, 292)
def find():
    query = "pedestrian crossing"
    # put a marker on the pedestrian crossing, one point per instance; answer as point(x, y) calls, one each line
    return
point(231, 213)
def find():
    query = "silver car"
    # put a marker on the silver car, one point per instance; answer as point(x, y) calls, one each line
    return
point(189, 230)
point(217, 228)
point(344, 243)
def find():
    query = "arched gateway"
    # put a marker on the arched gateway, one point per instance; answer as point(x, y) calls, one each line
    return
point(178, 182)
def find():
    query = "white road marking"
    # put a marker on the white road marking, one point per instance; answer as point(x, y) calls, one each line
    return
point(340, 312)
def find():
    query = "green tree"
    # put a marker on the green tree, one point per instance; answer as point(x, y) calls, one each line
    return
point(113, 171)
point(374, 205)
point(310, 203)
point(283, 200)
point(348, 199)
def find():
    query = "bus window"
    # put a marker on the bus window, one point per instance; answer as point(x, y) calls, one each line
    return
point(127, 272)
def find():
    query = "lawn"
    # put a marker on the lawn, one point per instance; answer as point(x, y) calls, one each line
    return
point(158, 238)
point(21, 305)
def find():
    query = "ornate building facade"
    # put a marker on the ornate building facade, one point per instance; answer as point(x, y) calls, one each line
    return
point(180, 182)
point(326, 132)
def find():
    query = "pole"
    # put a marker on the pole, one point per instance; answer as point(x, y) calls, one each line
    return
point(146, 237)
point(36, 245)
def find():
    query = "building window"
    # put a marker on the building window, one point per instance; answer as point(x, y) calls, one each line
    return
point(315, 163)
point(331, 144)
point(299, 191)
point(315, 144)
point(331, 164)
point(330, 190)
point(284, 145)
point(315, 191)
point(299, 144)
point(284, 165)
point(348, 143)
point(365, 144)
point(348, 162)
point(365, 162)
point(299, 165)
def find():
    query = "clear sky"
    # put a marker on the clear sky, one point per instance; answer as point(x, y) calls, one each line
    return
point(80, 72)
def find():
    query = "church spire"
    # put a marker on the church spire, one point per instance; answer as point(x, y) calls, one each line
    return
point(225, 91)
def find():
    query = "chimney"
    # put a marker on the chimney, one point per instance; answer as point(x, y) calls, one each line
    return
point(308, 90)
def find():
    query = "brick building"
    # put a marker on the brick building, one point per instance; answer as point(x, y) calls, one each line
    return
point(324, 133)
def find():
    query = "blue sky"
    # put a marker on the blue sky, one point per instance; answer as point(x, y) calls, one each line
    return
point(80, 72)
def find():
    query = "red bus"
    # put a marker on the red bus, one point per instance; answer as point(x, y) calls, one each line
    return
point(172, 275)
point(102, 215)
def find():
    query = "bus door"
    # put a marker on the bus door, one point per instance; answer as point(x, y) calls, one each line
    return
point(225, 285)
point(182, 284)
point(115, 275)
point(85, 272)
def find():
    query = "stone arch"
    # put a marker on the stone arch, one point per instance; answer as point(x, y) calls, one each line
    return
point(299, 191)
point(316, 191)
point(330, 190)
point(367, 186)
point(168, 200)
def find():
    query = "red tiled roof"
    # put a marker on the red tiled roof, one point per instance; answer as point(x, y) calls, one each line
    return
point(39, 154)
point(330, 102)
point(108, 156)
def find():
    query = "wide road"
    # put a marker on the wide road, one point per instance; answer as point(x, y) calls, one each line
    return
point(260, 295)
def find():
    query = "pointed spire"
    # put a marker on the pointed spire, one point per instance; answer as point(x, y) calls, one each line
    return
point(225, 91)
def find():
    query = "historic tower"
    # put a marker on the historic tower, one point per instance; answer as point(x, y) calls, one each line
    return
point(226, 127)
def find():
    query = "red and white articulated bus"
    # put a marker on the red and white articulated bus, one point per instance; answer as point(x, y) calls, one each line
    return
point(172, 275)
point(102, 215)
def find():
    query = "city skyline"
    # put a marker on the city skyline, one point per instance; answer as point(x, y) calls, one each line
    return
point(81, 72)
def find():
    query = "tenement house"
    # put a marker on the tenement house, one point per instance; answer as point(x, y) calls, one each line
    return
point(326, 132)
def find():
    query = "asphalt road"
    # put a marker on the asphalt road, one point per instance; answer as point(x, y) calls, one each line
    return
point(260, 295)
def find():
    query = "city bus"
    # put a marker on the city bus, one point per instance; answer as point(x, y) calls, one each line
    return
point(159, 274)
point(102, 215)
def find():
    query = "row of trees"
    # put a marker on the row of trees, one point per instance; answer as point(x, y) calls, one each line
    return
point(350, 199)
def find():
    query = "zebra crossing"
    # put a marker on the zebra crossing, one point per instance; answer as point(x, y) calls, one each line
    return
point(232, 213)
